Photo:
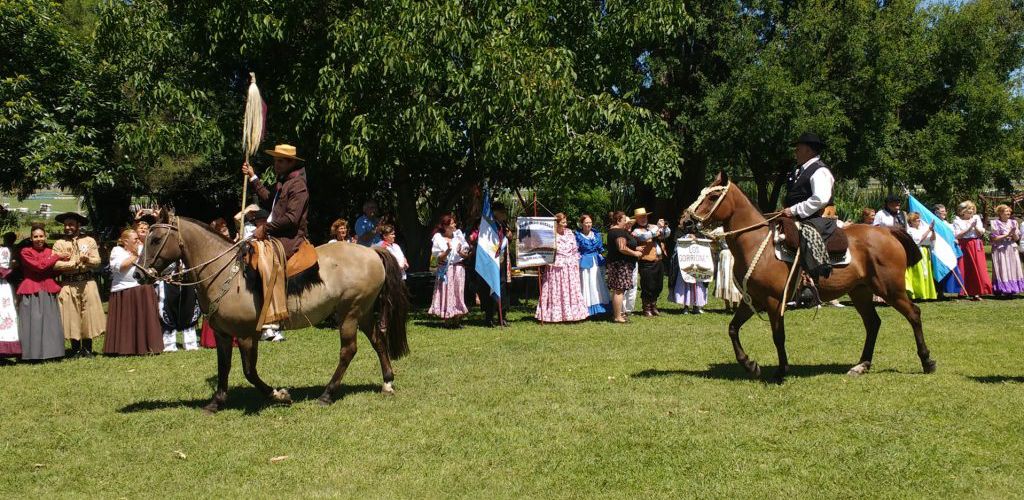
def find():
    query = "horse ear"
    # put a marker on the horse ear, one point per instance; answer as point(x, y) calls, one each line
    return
point(163, 214)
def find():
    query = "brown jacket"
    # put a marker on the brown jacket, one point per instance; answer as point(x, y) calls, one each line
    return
point(83, 245)
point(289, 207)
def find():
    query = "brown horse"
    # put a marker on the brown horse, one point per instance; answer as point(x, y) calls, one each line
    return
point(357, 282)
point(880, 257)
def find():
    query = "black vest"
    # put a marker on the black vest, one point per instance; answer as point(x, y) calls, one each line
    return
point(798, 188)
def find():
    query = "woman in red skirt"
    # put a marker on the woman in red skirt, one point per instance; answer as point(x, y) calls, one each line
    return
point(969, 231)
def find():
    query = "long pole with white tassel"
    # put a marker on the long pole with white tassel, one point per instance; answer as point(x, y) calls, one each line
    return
point(252, 134)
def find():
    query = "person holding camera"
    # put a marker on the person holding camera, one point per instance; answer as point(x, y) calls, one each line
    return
point(651, 239)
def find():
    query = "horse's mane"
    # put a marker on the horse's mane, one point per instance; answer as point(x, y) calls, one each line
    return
point(207, 228)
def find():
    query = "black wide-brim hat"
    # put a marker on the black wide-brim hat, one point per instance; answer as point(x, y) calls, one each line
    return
point(72, 216)
point(810, 139)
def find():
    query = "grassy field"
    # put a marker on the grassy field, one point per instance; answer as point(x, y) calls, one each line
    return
point(653, 409)
point(59, 205)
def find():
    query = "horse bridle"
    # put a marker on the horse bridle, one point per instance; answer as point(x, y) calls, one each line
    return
point(150, 272)
point(173, 226)
point(692, 210)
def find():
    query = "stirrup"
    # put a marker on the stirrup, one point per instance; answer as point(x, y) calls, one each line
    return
point(806, 281)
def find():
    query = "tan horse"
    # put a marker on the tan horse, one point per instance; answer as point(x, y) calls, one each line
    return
point(880, 257)
point(357, 283)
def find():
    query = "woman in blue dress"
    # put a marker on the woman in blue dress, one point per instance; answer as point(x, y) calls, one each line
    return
point(592, 278)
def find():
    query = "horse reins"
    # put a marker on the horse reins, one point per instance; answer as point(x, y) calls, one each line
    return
point(181, 248)
point(769, 217)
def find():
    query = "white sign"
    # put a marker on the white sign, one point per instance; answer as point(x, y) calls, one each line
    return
point(695, 262)
point(535, 241)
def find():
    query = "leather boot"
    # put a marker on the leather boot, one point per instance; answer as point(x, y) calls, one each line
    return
point(76, 349)
point(648, 309)
point(654, 309)
point(87, 348)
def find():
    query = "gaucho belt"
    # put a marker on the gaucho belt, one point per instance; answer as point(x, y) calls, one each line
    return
point(68, 279)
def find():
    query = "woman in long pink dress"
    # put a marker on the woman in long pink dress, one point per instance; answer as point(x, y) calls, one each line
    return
point(561, 296)
point(1009, 278)
point(450, 248)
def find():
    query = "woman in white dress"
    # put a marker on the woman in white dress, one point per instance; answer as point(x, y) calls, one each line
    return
point(10, 345)
point(725, 285)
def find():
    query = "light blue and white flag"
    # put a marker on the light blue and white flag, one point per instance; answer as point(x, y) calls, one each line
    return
point(488, 247)
point(945, 250)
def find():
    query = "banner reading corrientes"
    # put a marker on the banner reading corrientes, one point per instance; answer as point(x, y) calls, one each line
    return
point(535, 242)
point(695, 262)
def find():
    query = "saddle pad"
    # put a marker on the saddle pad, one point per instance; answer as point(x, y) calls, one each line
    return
point(783, 253)
point(788, 231)
point(303, 259)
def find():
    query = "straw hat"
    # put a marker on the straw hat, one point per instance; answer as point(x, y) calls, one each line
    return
point(283, 151)
point(641, 212)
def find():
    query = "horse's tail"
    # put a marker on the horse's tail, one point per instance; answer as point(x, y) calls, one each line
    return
point(393, 302)
point(909, 246)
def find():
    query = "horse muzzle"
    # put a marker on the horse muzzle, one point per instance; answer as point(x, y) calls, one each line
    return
point(145, 278)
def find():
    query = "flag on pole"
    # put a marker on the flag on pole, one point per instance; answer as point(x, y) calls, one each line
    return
point(945, 250)
point(488, 248)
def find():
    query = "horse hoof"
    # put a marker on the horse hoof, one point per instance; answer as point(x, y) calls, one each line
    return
point(211, 409)
point(281, 396)
point(387, 389)
point(929, 366)
point(324, 401)
point(753, 369)
point(859, 370)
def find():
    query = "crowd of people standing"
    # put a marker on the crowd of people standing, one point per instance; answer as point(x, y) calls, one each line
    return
point(592, 275)
point(49, 295)
point(971, 278)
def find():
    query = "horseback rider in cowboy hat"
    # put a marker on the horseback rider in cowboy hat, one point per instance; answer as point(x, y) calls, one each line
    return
point(289, 200)
point(289, 208)
point(808, 192)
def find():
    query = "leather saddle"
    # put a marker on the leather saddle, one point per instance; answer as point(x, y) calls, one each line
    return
point(837, 244)
point(301, 270)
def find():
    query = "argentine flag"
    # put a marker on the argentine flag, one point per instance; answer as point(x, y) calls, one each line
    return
point(488, 248)
point(945, 250)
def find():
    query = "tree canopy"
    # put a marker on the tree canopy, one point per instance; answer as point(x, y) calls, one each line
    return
point(418, 103)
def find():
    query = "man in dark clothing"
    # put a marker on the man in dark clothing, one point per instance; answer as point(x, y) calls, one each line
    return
point(288, 202)
point(809, 191)
point(487, 301)
point(289, 207)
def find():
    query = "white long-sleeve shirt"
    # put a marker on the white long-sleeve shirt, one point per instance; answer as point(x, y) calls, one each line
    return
point(919, 234)
point(821, 190)
point(884, 219)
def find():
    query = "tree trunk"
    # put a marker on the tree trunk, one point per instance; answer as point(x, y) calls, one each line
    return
point(415, 234)
point(111, 212)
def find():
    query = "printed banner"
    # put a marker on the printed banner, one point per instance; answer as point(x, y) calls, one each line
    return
point(535, 242)
point(695, 262)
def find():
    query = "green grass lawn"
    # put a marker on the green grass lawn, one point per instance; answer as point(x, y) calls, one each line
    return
point(657, 408)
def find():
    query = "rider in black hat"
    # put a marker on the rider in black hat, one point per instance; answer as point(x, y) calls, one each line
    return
point(809, 191)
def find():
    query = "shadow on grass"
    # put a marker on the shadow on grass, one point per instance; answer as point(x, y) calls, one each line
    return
point(998, 379)
point(733, 371)
point(249, 400)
